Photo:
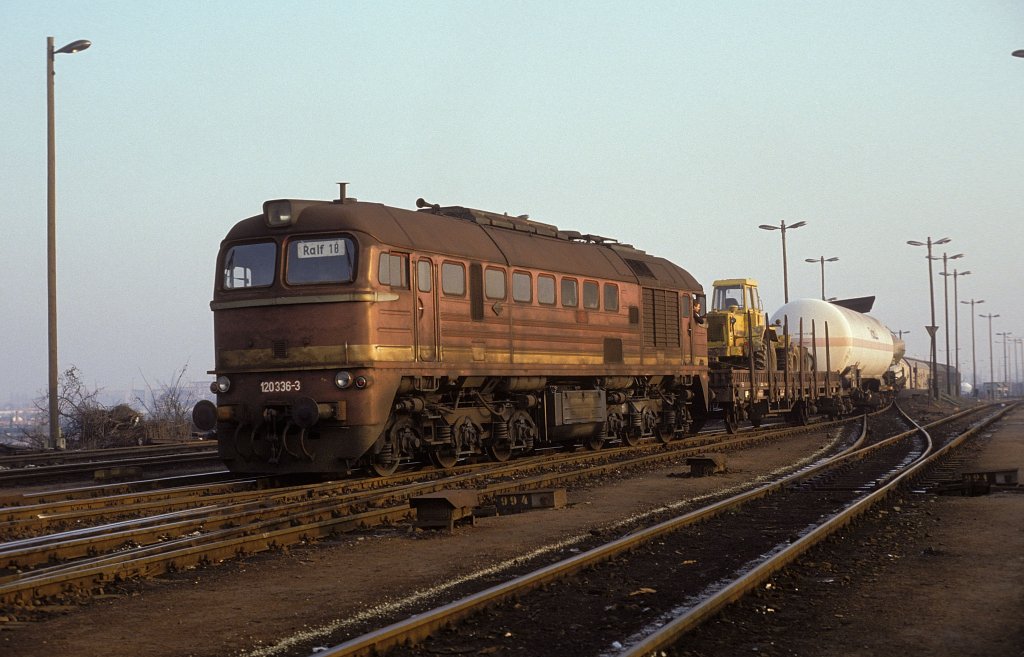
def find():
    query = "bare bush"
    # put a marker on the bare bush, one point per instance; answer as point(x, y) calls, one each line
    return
point(168, 408)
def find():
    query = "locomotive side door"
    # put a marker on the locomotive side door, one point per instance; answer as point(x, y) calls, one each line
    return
point(426, 311)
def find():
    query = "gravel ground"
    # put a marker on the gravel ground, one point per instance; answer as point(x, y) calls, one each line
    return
point(956, 561)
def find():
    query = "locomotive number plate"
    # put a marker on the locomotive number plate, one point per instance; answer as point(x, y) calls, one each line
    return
point(280, 386)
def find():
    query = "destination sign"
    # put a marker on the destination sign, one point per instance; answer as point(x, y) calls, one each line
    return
point(320, 248)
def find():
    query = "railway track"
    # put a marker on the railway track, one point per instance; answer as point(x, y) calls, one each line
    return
point(41, 467)
point(63, 549)
point(638, 594)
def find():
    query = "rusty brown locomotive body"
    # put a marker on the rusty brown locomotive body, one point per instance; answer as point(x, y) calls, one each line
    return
point(352, 334)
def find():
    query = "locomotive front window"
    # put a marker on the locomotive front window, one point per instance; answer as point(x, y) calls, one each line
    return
point(320, 260)
point(249, 265)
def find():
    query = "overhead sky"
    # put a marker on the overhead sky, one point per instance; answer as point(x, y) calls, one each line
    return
point(678, 127)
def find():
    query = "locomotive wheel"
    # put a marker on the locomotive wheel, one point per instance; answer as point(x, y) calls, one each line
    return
point(798, 415)
point(732, 420)
point(665, 434)
point(615, 428)
point(754, 413)
point(500, 450)
point(386, 460)
point(522, 431)
point(595, 442)
point(802, 416)
point(444, 456)
point(383, 464)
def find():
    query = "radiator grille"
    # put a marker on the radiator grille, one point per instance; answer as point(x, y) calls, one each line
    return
point(661, 318)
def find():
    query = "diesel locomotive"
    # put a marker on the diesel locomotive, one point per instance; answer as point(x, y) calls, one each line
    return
point(357, 336)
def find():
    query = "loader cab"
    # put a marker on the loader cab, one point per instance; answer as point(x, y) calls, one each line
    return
point(736, 295)
point(736, 321)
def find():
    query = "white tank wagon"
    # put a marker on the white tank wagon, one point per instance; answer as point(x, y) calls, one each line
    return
point(860, 348)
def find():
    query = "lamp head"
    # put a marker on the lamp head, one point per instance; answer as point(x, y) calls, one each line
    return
point(74, 46)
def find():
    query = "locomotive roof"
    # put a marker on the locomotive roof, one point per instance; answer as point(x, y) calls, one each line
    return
point(479, 235)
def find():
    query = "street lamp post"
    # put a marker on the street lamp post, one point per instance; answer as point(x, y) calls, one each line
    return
point(1019, 353)
point(974, 358)
point(1014, 367)
point(56, 440)
point(1006, 369)
point(931, 295)
point(956, 319)
point(822, 260)
point(785, 272)
point(991, 362)
point(945, 301)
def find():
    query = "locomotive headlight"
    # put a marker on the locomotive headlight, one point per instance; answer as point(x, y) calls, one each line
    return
point(343, 380)
point(221, 385)
point(278, 213)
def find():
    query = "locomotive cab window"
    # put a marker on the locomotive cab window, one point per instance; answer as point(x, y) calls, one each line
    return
point(522, 287)
point(611, 297)
point(494, 283)
point(250, 265)
point(591, 295)
point(320, 260)
point(453, 279)
point(685, 304)
point(570, 293)
point(394, 270)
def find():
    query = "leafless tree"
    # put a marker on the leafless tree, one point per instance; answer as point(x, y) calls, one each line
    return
point(77, 408)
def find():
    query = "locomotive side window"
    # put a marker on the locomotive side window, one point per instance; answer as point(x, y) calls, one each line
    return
point(424, 275)
point(249, 265)
point(546, 289)
point(611, 297)
point(591, 295)
point(394, 270)
point(570, 293)
point(320, 260)
point(522, 287)
point(494, 283)
point(453, 279)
